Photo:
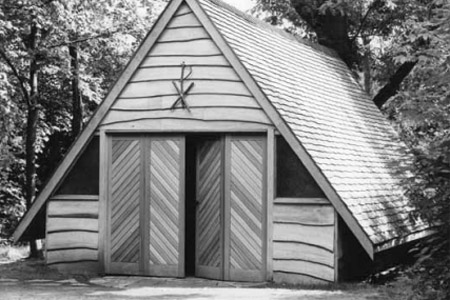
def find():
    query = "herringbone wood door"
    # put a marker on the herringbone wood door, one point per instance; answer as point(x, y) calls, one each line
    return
point(209, 239)
point(125, 194)
point(246, 209)
point(146, 206)
point(166, 194)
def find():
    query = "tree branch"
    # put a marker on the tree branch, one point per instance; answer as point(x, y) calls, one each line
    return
point(17, 75)
point(363, 20)
point(392, 87)
point(68, 43)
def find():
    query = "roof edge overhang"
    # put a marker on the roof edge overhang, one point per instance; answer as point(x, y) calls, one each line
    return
point(409, 238)
point(283, 128)
point(88, 132)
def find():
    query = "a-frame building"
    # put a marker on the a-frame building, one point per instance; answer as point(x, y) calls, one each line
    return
point(230, 150)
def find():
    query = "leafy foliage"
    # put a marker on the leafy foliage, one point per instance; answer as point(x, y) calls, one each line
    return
point(106, 34)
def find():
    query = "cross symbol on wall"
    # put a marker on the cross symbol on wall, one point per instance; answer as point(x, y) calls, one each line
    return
point(182, 93)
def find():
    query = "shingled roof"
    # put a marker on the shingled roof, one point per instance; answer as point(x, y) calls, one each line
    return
point(340, 127)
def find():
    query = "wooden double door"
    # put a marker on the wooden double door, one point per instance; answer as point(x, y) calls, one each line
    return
point(146, 207)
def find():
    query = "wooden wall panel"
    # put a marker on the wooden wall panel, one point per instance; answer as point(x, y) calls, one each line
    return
point(72, 233)
point(72, 239)
point(218, 93)
point(303, 247)
point(67, 208)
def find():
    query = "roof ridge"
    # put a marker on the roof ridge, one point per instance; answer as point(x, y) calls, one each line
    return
point(263, 25)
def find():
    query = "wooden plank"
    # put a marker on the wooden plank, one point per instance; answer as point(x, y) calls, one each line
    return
point(313, 235)
point(174, 73)
point(83, 140)
point(184, 9)
point(73, 208)
point(195, 101)
point(71, 255)
point(323, 201)
point(304, 214)
point(283, 128)
point(295, 279)
point(177, 125)
point(178, 34)
point(88, 267)
point(102, 204)
point(68, 224)
point(270, 198)
point(226, 210)
point(161, 61)
point(337, 247)
point(157, 88)
point(188, 48)
point(184, 20)
point(207, 114)
point(297, 251)
point(72, 239)
point(209, 191)
point(304, 267)
point(76, 197)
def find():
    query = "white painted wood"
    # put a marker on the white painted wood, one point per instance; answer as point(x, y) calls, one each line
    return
point(211, 114)
point(155, 88)
point(68, 208)
point(296, 251)
point(152, 61)
point(184, 21)
point(304, 267)
point(194, 101)
point(174, 73)
point(305, 214)
point(200, 47)
point(177, 125)
point(71, 255)
point(314, 235)
point(56, 224)
point(72, 239)
point(178, 34)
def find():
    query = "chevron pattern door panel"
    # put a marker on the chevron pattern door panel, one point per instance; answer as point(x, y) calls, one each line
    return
point(125, 195)
point(166, 220)
point(209, 200)
point(246, 188)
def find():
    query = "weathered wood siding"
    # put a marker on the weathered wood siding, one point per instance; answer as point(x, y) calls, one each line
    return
point(303, 237)
point(72, 233)
point(219, 99)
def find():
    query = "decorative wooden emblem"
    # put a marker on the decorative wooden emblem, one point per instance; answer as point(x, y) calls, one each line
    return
point(182, 93)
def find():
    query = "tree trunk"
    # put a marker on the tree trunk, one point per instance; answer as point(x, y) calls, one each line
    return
point(31, 129)
point(392, 87)
point(366, 67)
point(77, 109)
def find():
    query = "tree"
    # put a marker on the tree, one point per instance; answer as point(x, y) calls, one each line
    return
point(352, 29)
point(55, 57)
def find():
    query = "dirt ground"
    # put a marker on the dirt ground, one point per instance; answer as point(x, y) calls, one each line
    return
point(31, 279)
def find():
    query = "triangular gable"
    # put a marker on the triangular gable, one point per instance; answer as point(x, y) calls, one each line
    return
point(138, 59)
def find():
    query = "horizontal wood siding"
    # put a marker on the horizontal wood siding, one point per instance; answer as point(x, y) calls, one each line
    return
point(303, 237)
point(72, 233)
point(219, 100)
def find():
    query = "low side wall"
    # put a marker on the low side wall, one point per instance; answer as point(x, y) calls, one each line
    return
point(303, 237)
point(72, 233)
